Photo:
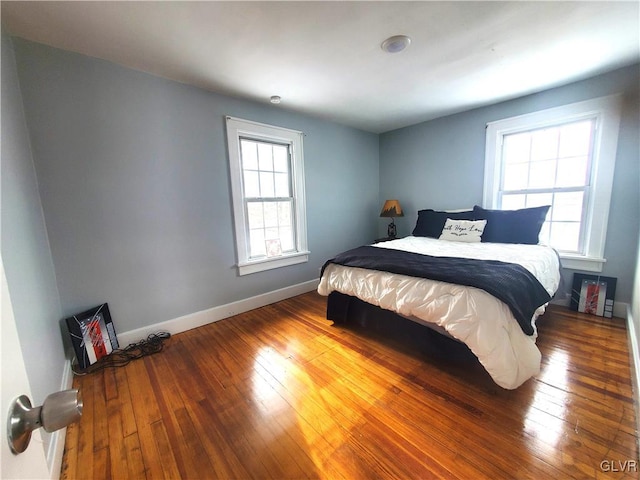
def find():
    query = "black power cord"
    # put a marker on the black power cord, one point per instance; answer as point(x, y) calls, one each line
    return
point(154, 343)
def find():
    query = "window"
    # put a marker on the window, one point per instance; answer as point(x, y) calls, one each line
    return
point(550, 166)
point(563, 157)
point(267, 183)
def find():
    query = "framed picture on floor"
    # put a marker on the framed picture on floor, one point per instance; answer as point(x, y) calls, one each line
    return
point(593, 294)
point(92, 334)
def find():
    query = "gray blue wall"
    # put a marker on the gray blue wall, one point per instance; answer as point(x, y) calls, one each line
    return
point(440, 164)
point(134, 181)
point(25, 248)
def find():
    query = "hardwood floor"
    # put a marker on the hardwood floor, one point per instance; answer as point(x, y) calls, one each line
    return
point(281, 392)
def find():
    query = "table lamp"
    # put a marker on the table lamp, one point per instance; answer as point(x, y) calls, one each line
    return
point(391, 208)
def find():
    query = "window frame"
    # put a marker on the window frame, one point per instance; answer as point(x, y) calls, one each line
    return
point(606, 112)
point(238, 129)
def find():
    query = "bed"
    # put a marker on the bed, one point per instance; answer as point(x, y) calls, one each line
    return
point(478, 276)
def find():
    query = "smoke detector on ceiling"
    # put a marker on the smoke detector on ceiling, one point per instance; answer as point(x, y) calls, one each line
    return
point(396, 44)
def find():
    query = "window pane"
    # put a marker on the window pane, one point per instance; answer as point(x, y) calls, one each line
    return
point(513, 202)
point(539, 199)
point(516, 176)
point(282, 185)
point(565, 236)
point(544, 233)
point(265, 157)
point(254, 212)
point(280, 158)
point(251, 184)
point(256, 239)
point(270, 214)
point(249, 154)
point(544, 144)
point(516, 148)
point(286, 239)
point(284, 213)
point(542, 174)
point(575, 139)
point(568, 206)
point(271, 233)
point(266, 184)
point(572, 172)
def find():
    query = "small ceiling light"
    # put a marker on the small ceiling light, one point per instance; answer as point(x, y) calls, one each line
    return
point(396, 44)
point(275, 99)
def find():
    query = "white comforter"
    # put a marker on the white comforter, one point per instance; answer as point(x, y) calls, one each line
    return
point(468, 314)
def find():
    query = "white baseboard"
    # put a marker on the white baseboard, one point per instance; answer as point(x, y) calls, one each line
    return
point(56, 445)
point(619, 308)
point(635, 364)
point(204, 317)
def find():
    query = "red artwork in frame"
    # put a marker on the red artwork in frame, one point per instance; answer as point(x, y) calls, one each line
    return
point(92, 334)
point(593, 294)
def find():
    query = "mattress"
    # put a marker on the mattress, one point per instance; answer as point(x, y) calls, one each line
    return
point(468, 314)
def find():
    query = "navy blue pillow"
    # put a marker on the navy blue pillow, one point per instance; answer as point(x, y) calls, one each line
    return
point(431, 222)
point(512, 226)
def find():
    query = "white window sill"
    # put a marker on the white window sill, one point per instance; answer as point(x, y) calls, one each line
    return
point(261, 265)
point(581, 262)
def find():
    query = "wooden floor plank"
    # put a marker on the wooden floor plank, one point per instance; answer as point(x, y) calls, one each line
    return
point(101, 462)
point(135, 464)
point(171, 406)
point(165, 457)
point(117, 448)
point(281, 392)
point(84, 447)
point(70, 455)
point(100, 413)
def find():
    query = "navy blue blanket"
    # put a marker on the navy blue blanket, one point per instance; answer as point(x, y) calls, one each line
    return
point(511, 283)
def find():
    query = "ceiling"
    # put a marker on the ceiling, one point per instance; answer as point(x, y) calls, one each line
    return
point(325, 59)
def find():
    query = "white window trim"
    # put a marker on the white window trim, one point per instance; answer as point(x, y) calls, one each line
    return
point(606, 111)
point(237, 128)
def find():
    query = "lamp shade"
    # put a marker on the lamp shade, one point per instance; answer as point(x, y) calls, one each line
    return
point(391, 208)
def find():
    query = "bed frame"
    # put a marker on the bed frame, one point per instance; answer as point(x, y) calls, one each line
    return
point(343, 308)
point(406, 333)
